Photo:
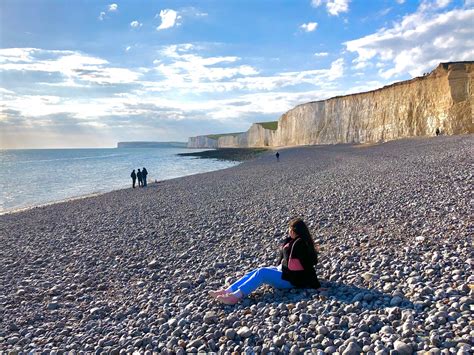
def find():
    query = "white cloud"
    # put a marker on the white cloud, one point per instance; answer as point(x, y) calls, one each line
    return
point(14, 55)
point(321, 54)
point(266, 103)
point(191, 11)
point(181, 66)
point(428, 5)
point(400, 1)
point(468, 3)
point(190, 72)
point(6, 92)
point(442, 3)
point(169, 19)
point(418, 42)
point(364, 86)
point(178, 69)
point(384, 11)
point(309, 27)
point(73, 67)
point(362, 65)
point(110, 8)
point(135, 24)
point(333, 7)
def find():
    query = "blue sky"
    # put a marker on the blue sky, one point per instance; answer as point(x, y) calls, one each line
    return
point(91, 73)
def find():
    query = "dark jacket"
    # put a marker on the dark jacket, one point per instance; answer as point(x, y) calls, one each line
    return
point(133, 175)
point(305, 278)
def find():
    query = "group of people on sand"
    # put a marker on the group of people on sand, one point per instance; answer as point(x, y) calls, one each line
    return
point(295, 269)
point(141, 176)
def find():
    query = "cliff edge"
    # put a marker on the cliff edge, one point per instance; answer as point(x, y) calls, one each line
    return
point(441, 99)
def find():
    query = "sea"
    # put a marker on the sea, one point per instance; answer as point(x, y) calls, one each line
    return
point(34, 177)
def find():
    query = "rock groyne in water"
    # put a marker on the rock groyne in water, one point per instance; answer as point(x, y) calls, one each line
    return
point(441, 99)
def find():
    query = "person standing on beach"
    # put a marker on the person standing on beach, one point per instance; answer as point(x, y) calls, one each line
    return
point(144, 174)
point(140, 178)
point(134, 178)
point(298, 256)
point(277, 156)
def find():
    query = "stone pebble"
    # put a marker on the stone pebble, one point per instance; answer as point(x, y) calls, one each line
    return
point(129, 271)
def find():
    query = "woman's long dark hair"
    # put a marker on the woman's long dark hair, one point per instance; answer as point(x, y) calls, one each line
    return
point(298, 226)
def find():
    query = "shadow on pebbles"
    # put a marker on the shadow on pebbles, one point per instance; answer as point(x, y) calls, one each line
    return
point(130, 270)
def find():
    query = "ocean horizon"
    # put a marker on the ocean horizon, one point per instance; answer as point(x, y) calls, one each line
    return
point(35, 177)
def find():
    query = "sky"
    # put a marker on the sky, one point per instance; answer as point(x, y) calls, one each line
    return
point(90, 73)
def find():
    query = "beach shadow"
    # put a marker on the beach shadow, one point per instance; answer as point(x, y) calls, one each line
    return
point(348, 294)
point(365, 298)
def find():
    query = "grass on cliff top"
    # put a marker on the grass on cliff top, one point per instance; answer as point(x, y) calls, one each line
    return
point(273, 125)
point(234, 154)
point(217, 136)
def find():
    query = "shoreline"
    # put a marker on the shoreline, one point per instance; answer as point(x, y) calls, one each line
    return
point(96, 194)
point(100, 193)
point(66, 200)
point(241, 155)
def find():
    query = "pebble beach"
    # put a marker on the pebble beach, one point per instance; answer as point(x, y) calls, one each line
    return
point(129, 271)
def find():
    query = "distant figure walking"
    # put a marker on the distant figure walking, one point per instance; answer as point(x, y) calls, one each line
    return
point(144, 174)
point(437, 132)
point(140, 178)
point(278, 156)
point(134, 178)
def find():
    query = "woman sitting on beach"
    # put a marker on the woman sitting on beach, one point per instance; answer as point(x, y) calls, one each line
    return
point(297, 259)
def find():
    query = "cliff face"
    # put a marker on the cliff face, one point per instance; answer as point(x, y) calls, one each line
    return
point(443, 99)
point(202, 142)
point(256, 136)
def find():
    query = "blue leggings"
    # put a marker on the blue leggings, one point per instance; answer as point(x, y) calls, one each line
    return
point(270, 275)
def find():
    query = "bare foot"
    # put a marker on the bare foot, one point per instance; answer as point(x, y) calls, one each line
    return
point(229, 298)
point(217, 293)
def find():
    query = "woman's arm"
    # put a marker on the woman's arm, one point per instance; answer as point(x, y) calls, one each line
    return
point(280, 250)
point(280, 256)
point(304, 255)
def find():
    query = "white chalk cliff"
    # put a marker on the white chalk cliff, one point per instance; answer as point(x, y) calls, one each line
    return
point(202, 142)
point(442, 99)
